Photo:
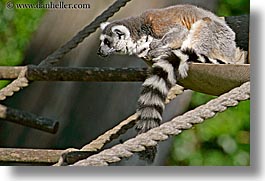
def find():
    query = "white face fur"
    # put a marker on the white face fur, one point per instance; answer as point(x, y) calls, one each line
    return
point(120, 42)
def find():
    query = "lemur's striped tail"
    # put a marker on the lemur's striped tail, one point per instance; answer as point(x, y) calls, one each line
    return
point(155, 89)
point(189, 55)
point(151, 103)
point(200, 58)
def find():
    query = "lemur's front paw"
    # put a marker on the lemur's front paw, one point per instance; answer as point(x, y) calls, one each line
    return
point(159, 53)
point(156, 44)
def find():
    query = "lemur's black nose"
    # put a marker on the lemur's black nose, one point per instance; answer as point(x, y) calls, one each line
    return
point(101, 53)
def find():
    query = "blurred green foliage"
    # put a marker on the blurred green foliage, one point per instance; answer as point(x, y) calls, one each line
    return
point(233, 7)
point(224, 139)
point(16, 29)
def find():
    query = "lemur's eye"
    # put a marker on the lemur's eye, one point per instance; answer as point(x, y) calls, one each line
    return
point(119, 33)
point(107, 42)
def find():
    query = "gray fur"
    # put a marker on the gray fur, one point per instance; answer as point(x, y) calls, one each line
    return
point(215, 40)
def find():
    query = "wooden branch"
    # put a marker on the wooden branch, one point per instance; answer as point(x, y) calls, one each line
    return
point(70, 156)
point(90, 74)
point(28, 119)
point(29, 155)
point(207, 78)
point(40, 156)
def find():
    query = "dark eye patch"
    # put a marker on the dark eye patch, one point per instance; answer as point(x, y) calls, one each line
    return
point(119, 33)
point(107, 42)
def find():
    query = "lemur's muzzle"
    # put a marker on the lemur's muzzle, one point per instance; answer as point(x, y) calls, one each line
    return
point(102, 53)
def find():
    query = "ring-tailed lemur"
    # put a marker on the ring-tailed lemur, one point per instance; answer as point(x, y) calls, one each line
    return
point(169, 38)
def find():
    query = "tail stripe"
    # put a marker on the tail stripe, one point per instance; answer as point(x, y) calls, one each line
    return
point(207, 60)
point(210, 60)
point(191, 54)
point(158, 108)
point(174, 60)
point(168, 69)
point(151, 99)
point(150, 113)
point(221, 61)
point(157, 84)
point(194, 57)
point(162, 74)
point(154, 91)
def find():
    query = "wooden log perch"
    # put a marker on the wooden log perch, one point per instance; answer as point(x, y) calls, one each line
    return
point(207, 78)
point(215, 79)
point(29, 155)
point(28, 119)
point(90, 74)
point(40, 156)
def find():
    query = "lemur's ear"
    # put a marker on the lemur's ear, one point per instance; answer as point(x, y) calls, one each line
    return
point(121, 30)
point(103, 25)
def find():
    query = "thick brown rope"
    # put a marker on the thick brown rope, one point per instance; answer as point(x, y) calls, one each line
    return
point(70, 155)
point(102, 140)
point(173, 127)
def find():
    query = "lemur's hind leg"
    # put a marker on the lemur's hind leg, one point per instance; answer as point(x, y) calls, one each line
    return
point(212, 39)
point(208, 41)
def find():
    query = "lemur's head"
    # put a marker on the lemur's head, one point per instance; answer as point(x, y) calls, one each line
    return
point(115, 38)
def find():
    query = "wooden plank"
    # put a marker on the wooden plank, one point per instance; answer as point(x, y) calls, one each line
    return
point(206, 78)
point(29, 155)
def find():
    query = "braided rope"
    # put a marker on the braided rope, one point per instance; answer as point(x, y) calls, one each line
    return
point(97, 144)
point(122, 127)
point(173, 127)
point(15, 86)
point(92, 27)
